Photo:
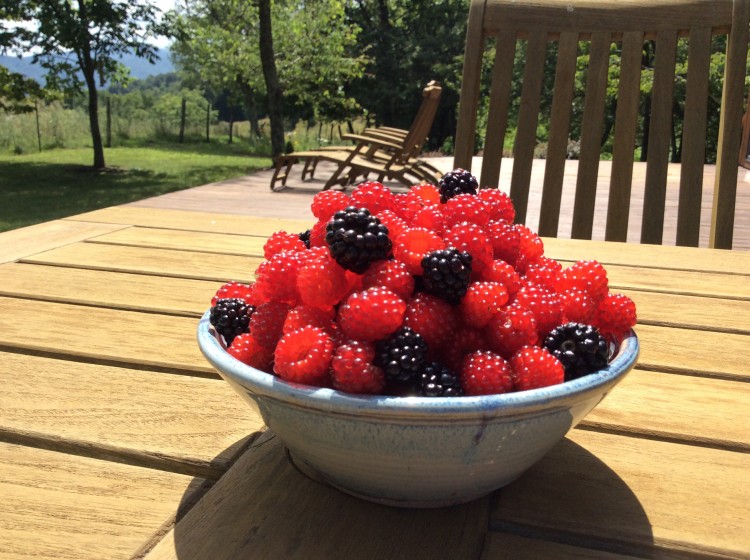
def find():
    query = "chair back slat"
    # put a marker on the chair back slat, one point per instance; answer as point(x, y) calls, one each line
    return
point(694, 139)
point(659, 137)
point(497, 113)
point(557, 144)
point(591, 136)
point(730, 130)
point(631, 26)
point(422, 123)
point(528, 118)
point(626, 124)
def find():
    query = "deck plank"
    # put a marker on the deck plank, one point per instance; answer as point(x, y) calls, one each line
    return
point(139, 417)
point(624, 500)
point(58, 506)
point(264, 508)
point(506, 546)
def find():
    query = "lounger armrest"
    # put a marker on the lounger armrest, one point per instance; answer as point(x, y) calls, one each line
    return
point(371, 140)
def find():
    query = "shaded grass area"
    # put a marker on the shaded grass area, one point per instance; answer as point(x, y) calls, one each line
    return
point(58, 183)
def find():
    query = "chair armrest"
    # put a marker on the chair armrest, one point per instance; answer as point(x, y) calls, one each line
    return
point(373, 141)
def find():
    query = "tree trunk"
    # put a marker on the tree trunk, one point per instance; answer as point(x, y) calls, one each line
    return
point(275, 100)
point(208, 122)
point(231, 124)
point(96, 133)
point(109, 122)
point(38, 128)
point(183, 111)
point(252, 109)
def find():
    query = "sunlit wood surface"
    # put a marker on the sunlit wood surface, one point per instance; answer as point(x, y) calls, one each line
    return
point(118, 440)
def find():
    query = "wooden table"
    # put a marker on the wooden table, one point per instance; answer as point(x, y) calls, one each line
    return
point(118, 440)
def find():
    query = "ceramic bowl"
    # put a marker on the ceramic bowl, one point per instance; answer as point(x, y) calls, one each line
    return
point(416, 451)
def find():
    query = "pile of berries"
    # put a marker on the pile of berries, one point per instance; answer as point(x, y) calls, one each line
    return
point(432, 292)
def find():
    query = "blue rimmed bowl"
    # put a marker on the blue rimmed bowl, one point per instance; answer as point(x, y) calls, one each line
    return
point(416, 451)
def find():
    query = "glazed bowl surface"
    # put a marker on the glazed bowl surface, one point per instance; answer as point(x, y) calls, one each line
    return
point(416, 451)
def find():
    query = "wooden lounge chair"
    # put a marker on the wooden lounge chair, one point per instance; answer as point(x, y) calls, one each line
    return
point(627, 23)
point(385, 152)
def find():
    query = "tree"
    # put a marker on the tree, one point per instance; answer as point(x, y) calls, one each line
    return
point(78, 42)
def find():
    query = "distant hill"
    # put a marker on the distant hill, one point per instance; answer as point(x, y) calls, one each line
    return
point(140, 68)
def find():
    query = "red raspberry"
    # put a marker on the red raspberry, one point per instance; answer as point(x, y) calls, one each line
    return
point(546, 306)
point(411, 246)
point(372, 195)
point(500, 271)
point(472, 239)
point(371, 315)
point(322, 282)
point(326, 203)
point(544, 272)
point(587, 276)
point(249, 351)
point(282, 241)
point(481, 302)
point(405, 205)
point(307, 316)
point(510, 329)
point(245, 292)
point(471, 339)
point(530, 247)
point(352, 369)
point(485, 373)
point(396, 224)
point(505, 239)
point(277, 278)
point(430, 217)
point(392, 275)
point(428, 194)
point(304, 356)
point(501, 206)
point(615, 316)
point(318, 232)
point(267, 322)
point(432, 318)
point(578, 307)
point(466, 208)
point(535, 367)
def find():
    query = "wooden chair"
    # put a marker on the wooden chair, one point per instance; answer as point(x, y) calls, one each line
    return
point(627, 23)
point(386, 152)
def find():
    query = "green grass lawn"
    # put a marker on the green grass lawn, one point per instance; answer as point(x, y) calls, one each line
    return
point(53, 184)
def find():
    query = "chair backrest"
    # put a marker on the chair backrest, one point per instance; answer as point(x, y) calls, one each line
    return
point(597, 25)
point(422, 123)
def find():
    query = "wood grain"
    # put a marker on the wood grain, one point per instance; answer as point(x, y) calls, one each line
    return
point(193, 221)
point(142, 260)
point(626, 493)
point(26, 241)
point(135, 292)
point(58, 506)
point(506, 546)
point(159, 238)
point(97, 334)
point(138, 417)
point(264, 508)
point(652, 404)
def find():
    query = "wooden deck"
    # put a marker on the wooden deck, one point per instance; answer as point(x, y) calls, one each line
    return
point(250, 195)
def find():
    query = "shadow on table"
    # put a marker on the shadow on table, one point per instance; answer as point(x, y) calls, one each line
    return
point(264, 508)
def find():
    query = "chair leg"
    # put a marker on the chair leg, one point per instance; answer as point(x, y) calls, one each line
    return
point(309, 170)
point(287, 163)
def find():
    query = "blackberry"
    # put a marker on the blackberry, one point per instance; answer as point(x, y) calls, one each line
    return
point(401, 356)
point(446, 274)
point(305, 237)
point(357, 238)
point(438, 381)
point(458, 181)
point(580, 348)
point(231, 317)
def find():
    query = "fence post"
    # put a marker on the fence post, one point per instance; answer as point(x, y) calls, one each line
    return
point(182, 120)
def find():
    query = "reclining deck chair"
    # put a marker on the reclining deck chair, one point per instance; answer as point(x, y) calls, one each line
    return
point(387, 152)
point(598, 23)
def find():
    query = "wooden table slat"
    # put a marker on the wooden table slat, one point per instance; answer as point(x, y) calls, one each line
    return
point(141, 417)
point(60, 506)
point(264, 508)
point(507, 546)
point(634, 494)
